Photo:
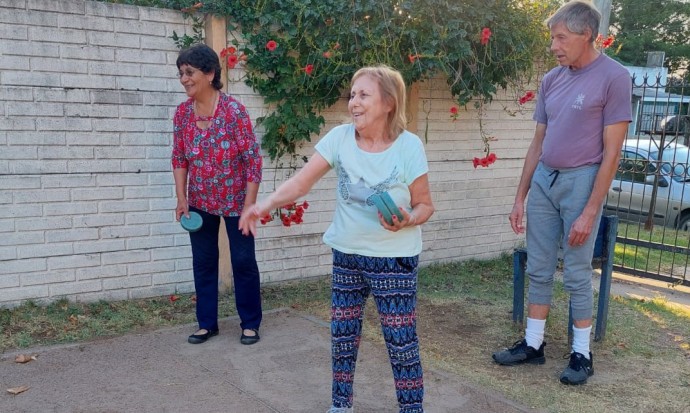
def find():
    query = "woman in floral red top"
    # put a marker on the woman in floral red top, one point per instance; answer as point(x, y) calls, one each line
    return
point(217, 168)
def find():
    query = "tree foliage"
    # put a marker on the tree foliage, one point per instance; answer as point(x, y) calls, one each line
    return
point(643, 26)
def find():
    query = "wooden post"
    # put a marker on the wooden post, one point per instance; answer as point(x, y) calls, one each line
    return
point(604, 7)
point(216, 39)
point(413, 108)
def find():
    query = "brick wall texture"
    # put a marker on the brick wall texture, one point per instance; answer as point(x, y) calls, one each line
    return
point(87, 94)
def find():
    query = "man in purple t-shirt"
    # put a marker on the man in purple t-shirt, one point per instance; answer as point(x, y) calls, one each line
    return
point(582, 114)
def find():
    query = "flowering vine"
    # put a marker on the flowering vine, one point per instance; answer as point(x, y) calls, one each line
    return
point(300, 54)
point(485, 161)
point(485, 36)
point(230, 57)
point(197, 36)
point(528, 96)
point(288, 214)
point(454, 113)
point(604, 43)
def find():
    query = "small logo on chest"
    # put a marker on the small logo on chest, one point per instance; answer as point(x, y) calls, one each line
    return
point(579, 101)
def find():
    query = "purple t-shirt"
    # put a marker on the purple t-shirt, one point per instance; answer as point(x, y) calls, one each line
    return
point(576, 105)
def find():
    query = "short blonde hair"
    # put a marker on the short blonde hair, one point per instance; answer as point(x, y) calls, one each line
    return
point(393, 91)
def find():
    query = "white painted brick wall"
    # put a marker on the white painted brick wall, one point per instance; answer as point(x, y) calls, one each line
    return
point(87, 93)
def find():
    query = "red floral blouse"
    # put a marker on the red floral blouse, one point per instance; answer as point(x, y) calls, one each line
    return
point(220, 160)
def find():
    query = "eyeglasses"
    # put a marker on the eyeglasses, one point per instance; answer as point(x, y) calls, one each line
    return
point(189, 72)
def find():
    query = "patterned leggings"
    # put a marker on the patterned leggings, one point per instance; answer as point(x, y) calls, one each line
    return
point(393, 283)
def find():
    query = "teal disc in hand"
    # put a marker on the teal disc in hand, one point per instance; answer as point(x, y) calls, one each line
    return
point(392, 207)
point(381, 206)
point(193, 223)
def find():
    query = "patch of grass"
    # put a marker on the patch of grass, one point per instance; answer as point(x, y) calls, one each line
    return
point(64, 321)
point(31, 325)
point(310, 296)
point(482, 279)
point(298, 294)
point(650, 259)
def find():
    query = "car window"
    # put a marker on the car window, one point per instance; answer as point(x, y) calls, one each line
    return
point(633, 167)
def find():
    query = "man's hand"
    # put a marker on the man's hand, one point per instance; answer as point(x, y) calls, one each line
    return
point(515, 218)
point(580, 230)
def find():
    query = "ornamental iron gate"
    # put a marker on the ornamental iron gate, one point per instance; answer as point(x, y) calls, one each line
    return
point(651, 190)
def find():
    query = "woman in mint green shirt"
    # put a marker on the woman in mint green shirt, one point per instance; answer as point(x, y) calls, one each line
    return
point(372, 155)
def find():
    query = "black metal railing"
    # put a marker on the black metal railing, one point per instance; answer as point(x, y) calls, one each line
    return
point(651, 190)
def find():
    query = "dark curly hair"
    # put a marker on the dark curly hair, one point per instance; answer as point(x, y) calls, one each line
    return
point(202, 57)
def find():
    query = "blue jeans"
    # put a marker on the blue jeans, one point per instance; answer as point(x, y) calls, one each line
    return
point(245, 272)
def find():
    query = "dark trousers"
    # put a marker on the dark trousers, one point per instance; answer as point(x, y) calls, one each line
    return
point(245, 272)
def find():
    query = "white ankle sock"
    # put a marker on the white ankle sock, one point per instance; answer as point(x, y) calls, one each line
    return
point(581, 340)
point(534, 333)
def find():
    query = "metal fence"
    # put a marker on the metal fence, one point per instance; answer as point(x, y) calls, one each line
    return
point(651, 190)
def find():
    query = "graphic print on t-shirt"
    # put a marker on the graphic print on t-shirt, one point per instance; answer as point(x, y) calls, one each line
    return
point(359, 192)
point(579, 101)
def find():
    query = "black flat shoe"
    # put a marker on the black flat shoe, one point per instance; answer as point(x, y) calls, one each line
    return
point(201, 338)
point(249, 340)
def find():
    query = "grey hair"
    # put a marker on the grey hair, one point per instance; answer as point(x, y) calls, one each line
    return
point(578, 16)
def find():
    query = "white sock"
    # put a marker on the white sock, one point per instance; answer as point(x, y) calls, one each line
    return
point(534, 333)
point(581, 340)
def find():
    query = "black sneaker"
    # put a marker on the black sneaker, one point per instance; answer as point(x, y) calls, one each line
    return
point(520, 353)
point(578, 370)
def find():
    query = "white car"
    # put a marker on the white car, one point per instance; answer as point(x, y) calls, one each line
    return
point(631, 192)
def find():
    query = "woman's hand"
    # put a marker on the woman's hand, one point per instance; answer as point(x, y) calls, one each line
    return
point(408, 220)
point(182, 208)
point(250, 214)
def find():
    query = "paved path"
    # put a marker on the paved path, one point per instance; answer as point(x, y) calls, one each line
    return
point(287, 371)
point(630, 286)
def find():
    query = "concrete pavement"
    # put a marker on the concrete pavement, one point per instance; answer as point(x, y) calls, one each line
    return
point(158, 371)
point(630, 286)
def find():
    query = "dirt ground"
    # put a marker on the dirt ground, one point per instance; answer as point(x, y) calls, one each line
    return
point(460, 337)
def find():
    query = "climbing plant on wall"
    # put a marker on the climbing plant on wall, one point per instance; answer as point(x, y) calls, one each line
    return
point(300, 54)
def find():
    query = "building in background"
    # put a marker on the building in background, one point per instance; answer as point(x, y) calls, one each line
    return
point(656, 109)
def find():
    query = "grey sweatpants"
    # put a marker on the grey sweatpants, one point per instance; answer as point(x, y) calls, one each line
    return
point(556, 199)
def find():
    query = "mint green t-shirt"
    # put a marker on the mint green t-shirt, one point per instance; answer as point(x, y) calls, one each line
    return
point(356, 228)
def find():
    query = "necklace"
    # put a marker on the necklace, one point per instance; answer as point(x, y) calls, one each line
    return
point(200, 118)
point(204, 118)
